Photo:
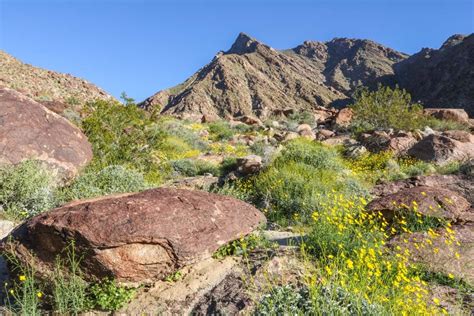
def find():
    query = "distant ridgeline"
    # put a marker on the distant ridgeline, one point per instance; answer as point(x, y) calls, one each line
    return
point(252, 78)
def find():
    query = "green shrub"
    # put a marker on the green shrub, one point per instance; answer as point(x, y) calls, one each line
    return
point(299, 179)
point(285, 300)
point(178, 129)
point(445, 125)
point(220, 130)
point(228, 164)
point(111, 179)
point(108, 295)
point(242, 246)
point(192, 168)
point(26, 189)
point(302, 117)
point(124, 135)
point(69, 290)
point(386, 108)
point(23, 296)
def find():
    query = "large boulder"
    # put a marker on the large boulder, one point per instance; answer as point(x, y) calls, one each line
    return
point(429, 201)
point(462, 184)
point(442, 149)
point(137, 237)
point(457, 115)
point(28, 130)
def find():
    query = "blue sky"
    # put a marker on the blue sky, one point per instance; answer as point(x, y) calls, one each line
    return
point(141, 46)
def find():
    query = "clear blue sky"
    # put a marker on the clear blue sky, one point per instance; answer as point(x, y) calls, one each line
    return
point(142, 46)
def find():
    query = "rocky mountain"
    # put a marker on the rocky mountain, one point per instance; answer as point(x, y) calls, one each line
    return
point(441, 77)
point(57, 91)
point(253, 78)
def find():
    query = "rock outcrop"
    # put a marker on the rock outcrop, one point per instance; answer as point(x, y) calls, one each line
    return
point(429, 201)
point(254, 79)
point(56, 90)
point(30, 131)
point(441, 77)
point(442, 149)
point(138, 237)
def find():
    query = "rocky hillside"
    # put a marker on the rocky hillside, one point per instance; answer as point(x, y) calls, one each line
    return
point(57, 91)
point(253, 78)
point(441, 77)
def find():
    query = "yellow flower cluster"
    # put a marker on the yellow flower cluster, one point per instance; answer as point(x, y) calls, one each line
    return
point(364, 265)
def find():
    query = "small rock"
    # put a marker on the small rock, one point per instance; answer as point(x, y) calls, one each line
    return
point(249, 164)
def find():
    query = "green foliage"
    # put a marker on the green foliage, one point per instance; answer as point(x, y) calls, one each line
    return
point(386, 108)
point(69, 290)
point(298, 180)
point(441, 278)
point(111, 179)
point(24, 295)
point(192, 168)
point(338, 301)
point(242, 247)
point(220, 130)
point(108, 295)
point(285, 300)
point(26, 190)
point(174, 277)
point(445, 125)
point(123, 135)
point(302, 117)
point(228, 164)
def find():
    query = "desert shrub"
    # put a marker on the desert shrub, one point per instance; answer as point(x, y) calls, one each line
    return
point(124, 135)
point(192, 168)
point(220, 130)
point(26, 189)
point(111, 179)
point(228, 164)
point(445, 125)
point(299, 179)
point(302, 117)
point(243, 246)
point(23, 295)
point(285, 300)
point(108, 295)
point(69, 290)
point(386, 108)
point(178, 129)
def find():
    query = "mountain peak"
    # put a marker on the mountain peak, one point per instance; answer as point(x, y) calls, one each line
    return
point(244, 44)
point(453, 40)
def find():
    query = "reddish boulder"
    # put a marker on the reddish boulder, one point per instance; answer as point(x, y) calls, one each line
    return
point(344, 117)
point(442, 149)
point(462, 136)
point(138, 237)
point(459, 183)
point(429, 201)
point(28, 130)
point(457, 115)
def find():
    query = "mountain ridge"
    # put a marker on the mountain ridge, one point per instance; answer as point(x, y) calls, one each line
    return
point(252, 78)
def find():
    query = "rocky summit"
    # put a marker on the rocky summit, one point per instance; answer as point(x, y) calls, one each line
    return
point(253, 78)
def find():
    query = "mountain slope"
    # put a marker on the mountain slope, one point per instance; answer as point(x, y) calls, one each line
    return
point(48, 87)
point(441, 77)
point(253, 78)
